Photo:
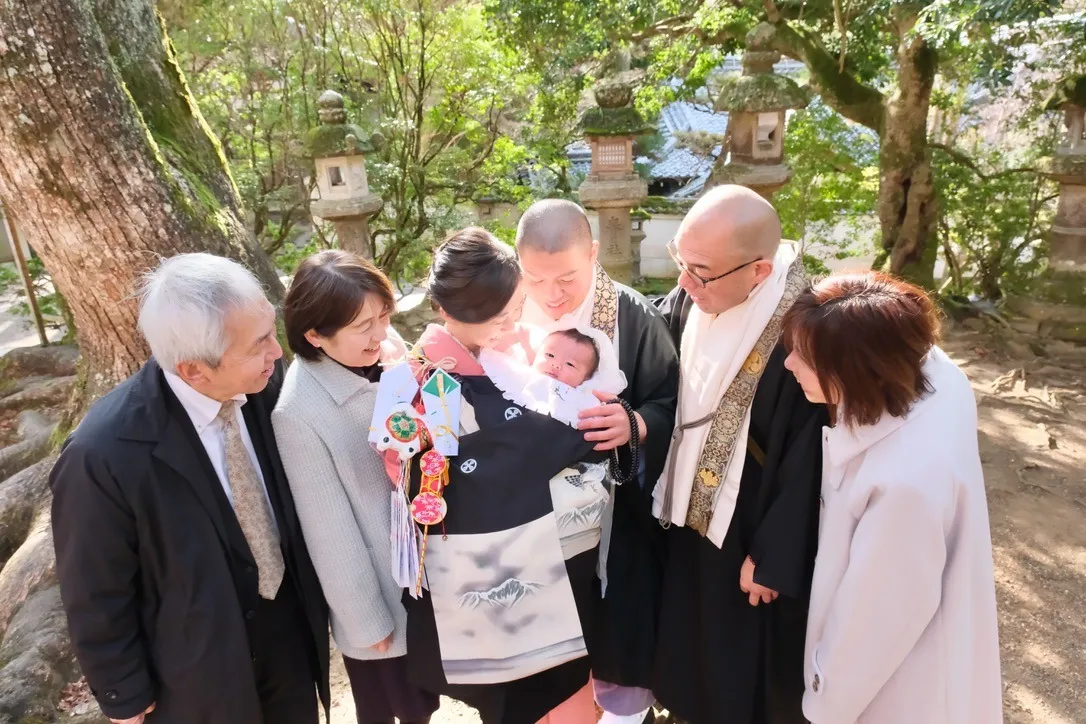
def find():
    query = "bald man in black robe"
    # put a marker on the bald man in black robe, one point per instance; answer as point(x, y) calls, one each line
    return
point(740, 491)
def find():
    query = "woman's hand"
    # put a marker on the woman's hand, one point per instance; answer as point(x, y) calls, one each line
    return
point(382, 646)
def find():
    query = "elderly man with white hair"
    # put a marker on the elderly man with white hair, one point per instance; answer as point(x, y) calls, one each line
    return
point(189, 591)
point(740, 489)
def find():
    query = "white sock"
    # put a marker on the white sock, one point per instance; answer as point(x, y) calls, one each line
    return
point(609, 718)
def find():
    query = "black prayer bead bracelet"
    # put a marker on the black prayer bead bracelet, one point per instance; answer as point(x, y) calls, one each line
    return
point(635, 449)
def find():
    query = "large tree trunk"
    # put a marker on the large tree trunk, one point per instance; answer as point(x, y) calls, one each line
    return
point(907, 203)
point(107, 164)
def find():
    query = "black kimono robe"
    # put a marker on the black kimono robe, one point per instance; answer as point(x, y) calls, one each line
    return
point(718, 658)
point(626, 618)
point(500, 482)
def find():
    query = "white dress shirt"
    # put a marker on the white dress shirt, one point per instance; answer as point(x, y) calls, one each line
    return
point(204, 412)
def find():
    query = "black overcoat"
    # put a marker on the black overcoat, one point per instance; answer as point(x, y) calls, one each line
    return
point(155, 575)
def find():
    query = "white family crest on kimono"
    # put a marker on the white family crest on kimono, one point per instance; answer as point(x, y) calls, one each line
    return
point(540, 393)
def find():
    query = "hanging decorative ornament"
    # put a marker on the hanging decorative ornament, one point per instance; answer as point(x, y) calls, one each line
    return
point(429, 507)
point(404, 432)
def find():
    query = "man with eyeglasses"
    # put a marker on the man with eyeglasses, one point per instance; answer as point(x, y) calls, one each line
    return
point(739, 495)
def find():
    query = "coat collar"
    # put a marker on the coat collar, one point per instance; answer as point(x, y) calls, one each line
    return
point(342, 384)
point(202, 410)
point(843, 444)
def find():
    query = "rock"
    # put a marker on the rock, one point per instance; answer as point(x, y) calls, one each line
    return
point(37, 660)
point(31, 423)
point(14, 458)
point(53, 361)
point(47, 392)
point(30, 569)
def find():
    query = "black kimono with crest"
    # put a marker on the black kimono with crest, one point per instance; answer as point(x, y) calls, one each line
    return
point(626, 617)
point(501, 491)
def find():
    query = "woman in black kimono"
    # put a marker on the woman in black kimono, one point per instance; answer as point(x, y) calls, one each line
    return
point(510, 580)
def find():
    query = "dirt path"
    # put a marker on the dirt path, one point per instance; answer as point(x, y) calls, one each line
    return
point(1032, 418)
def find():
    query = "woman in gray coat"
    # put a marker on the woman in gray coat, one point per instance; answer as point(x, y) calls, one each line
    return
point(337, 322)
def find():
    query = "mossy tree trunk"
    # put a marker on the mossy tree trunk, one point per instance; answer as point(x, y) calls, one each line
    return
point(107, 164)
point(906, 204)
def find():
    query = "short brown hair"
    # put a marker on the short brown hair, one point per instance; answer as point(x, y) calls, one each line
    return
point(582, 338)
point(328, 291)
point(473, 276)
point(866, 336)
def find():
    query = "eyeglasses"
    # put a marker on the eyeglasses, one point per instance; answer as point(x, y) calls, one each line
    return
point(672, 249)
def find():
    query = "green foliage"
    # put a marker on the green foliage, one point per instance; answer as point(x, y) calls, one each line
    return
point(290, 256)
point(814, 266)
point(655, 286)
point(835, 181)
point(992, 228)
point(506, 233)
point(8, 276)
point(50, 302)
point(432, 78)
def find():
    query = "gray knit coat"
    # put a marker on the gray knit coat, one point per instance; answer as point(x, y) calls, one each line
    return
point(342, 494)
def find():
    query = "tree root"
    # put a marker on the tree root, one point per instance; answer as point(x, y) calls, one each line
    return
point(53, 361)
point(36, 660)
point(14, 458)
point(44, 393)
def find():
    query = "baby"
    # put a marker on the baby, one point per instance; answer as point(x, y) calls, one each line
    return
point(568, 356)
point(570, 365)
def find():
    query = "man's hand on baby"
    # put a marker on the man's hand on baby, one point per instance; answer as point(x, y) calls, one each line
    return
point(609, 423)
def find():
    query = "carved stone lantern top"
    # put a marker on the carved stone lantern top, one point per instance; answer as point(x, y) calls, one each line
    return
point(615, 114)
point(1070, 96)
point(335, 137)
point(758, 89)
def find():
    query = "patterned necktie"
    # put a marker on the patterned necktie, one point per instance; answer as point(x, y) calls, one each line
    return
point(251, 507)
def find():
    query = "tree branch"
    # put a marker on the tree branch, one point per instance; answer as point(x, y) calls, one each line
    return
point(976, 169)
point(839, 89)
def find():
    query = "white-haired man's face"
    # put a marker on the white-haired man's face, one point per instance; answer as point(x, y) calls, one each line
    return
point(248, 362)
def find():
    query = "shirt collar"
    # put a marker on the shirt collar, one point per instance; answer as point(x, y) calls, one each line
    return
point(202, 410)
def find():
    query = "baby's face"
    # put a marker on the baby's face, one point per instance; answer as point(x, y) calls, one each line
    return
point(565, 360)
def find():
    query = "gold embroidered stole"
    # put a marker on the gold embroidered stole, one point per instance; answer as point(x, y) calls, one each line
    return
point(604, 304)
point(728, 419)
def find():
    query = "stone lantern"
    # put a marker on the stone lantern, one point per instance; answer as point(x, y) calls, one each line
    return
point(756, 102)
point(338, 149)
point(1057, 306)
point(612, 187)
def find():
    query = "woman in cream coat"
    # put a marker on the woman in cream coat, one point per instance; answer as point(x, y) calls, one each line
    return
point(902, 622)
point(337, 321)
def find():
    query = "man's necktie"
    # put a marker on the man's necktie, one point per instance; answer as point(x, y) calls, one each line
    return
point(251, 506)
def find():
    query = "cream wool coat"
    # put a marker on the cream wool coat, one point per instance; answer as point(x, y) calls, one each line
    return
point(343, 497)
point(902, 622)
